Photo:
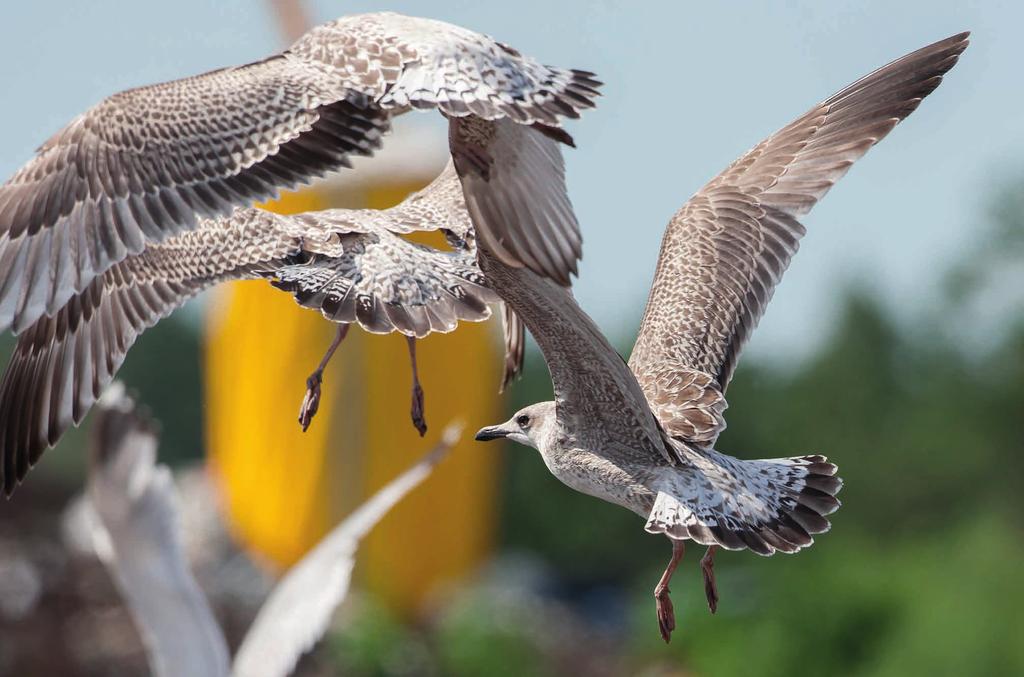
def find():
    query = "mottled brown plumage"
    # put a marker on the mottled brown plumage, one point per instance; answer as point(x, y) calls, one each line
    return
point(351, 265)
point(145, 164)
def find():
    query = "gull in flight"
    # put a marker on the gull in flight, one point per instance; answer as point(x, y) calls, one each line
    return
point(643, 435)
point(353, 266)
point(131, 207)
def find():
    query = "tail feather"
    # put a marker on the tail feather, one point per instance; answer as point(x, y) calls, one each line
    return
point(764, 506)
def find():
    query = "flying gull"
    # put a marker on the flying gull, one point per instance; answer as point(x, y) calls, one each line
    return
point(642, 436)
point(119, 204)
point(147, 164)
point(353, 266)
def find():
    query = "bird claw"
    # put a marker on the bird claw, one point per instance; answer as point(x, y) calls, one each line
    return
point(417, 410)
point(666, 614)
point(311, 402)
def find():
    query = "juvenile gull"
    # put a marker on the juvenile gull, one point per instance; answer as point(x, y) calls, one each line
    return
point(642, 436)
point(146, 164)
point(353, 266)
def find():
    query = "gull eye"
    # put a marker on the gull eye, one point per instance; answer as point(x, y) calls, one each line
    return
point(523, 420)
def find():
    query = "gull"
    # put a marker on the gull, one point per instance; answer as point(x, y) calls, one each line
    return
point(148, 164)
point(131, 520)
point(642, 435)
point(130, 208)
point(353, 266)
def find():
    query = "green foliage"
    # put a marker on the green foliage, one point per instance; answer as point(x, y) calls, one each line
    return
point(165, 369)
point(476, 636)
point(374, 642)
point(939, 603)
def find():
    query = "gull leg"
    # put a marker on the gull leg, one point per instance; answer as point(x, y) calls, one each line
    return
point(417, 391)
point(707, 566)
point(311, 402)
point(666, 614)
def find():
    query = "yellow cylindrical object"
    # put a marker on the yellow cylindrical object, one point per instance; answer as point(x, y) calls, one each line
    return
point(445, 528)
point(283, 489)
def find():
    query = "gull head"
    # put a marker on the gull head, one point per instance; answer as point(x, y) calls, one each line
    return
point(530, 426)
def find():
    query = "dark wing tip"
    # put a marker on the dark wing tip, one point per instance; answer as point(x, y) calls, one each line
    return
point(955, 44)
point(556, 133)
point(962, 37)
point(20, 445)
point(587, 79)
point(951, 48)
point(581, 90)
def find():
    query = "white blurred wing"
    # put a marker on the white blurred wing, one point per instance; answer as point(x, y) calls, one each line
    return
point(296, 614)
point(137, 507)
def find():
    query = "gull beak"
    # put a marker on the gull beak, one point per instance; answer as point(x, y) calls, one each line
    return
point(493, 432)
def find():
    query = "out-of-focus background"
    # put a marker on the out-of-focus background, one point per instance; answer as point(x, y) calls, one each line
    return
point(895, 345)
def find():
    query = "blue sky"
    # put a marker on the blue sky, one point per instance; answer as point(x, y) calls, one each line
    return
point(689, 86)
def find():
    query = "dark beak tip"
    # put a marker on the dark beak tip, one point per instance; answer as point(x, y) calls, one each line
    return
point(487, 434)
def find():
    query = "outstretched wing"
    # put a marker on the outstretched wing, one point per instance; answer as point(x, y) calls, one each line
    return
point(144, 164)
point(361, 273)
point(62, 363)
point(592, 383)
point(724, 252)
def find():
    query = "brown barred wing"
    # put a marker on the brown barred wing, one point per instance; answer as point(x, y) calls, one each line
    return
point(62, 363)
point(386, 283)
point(147, 164)
point(726, 249)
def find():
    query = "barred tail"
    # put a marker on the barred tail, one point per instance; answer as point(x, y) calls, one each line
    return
point(765, 505)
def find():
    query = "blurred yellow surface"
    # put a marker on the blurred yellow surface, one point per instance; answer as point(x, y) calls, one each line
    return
point(284, 489)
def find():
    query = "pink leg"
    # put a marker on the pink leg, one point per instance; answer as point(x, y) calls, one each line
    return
point(666, 614)
point(707, 566)
point(417, 391)
point(311, 402)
